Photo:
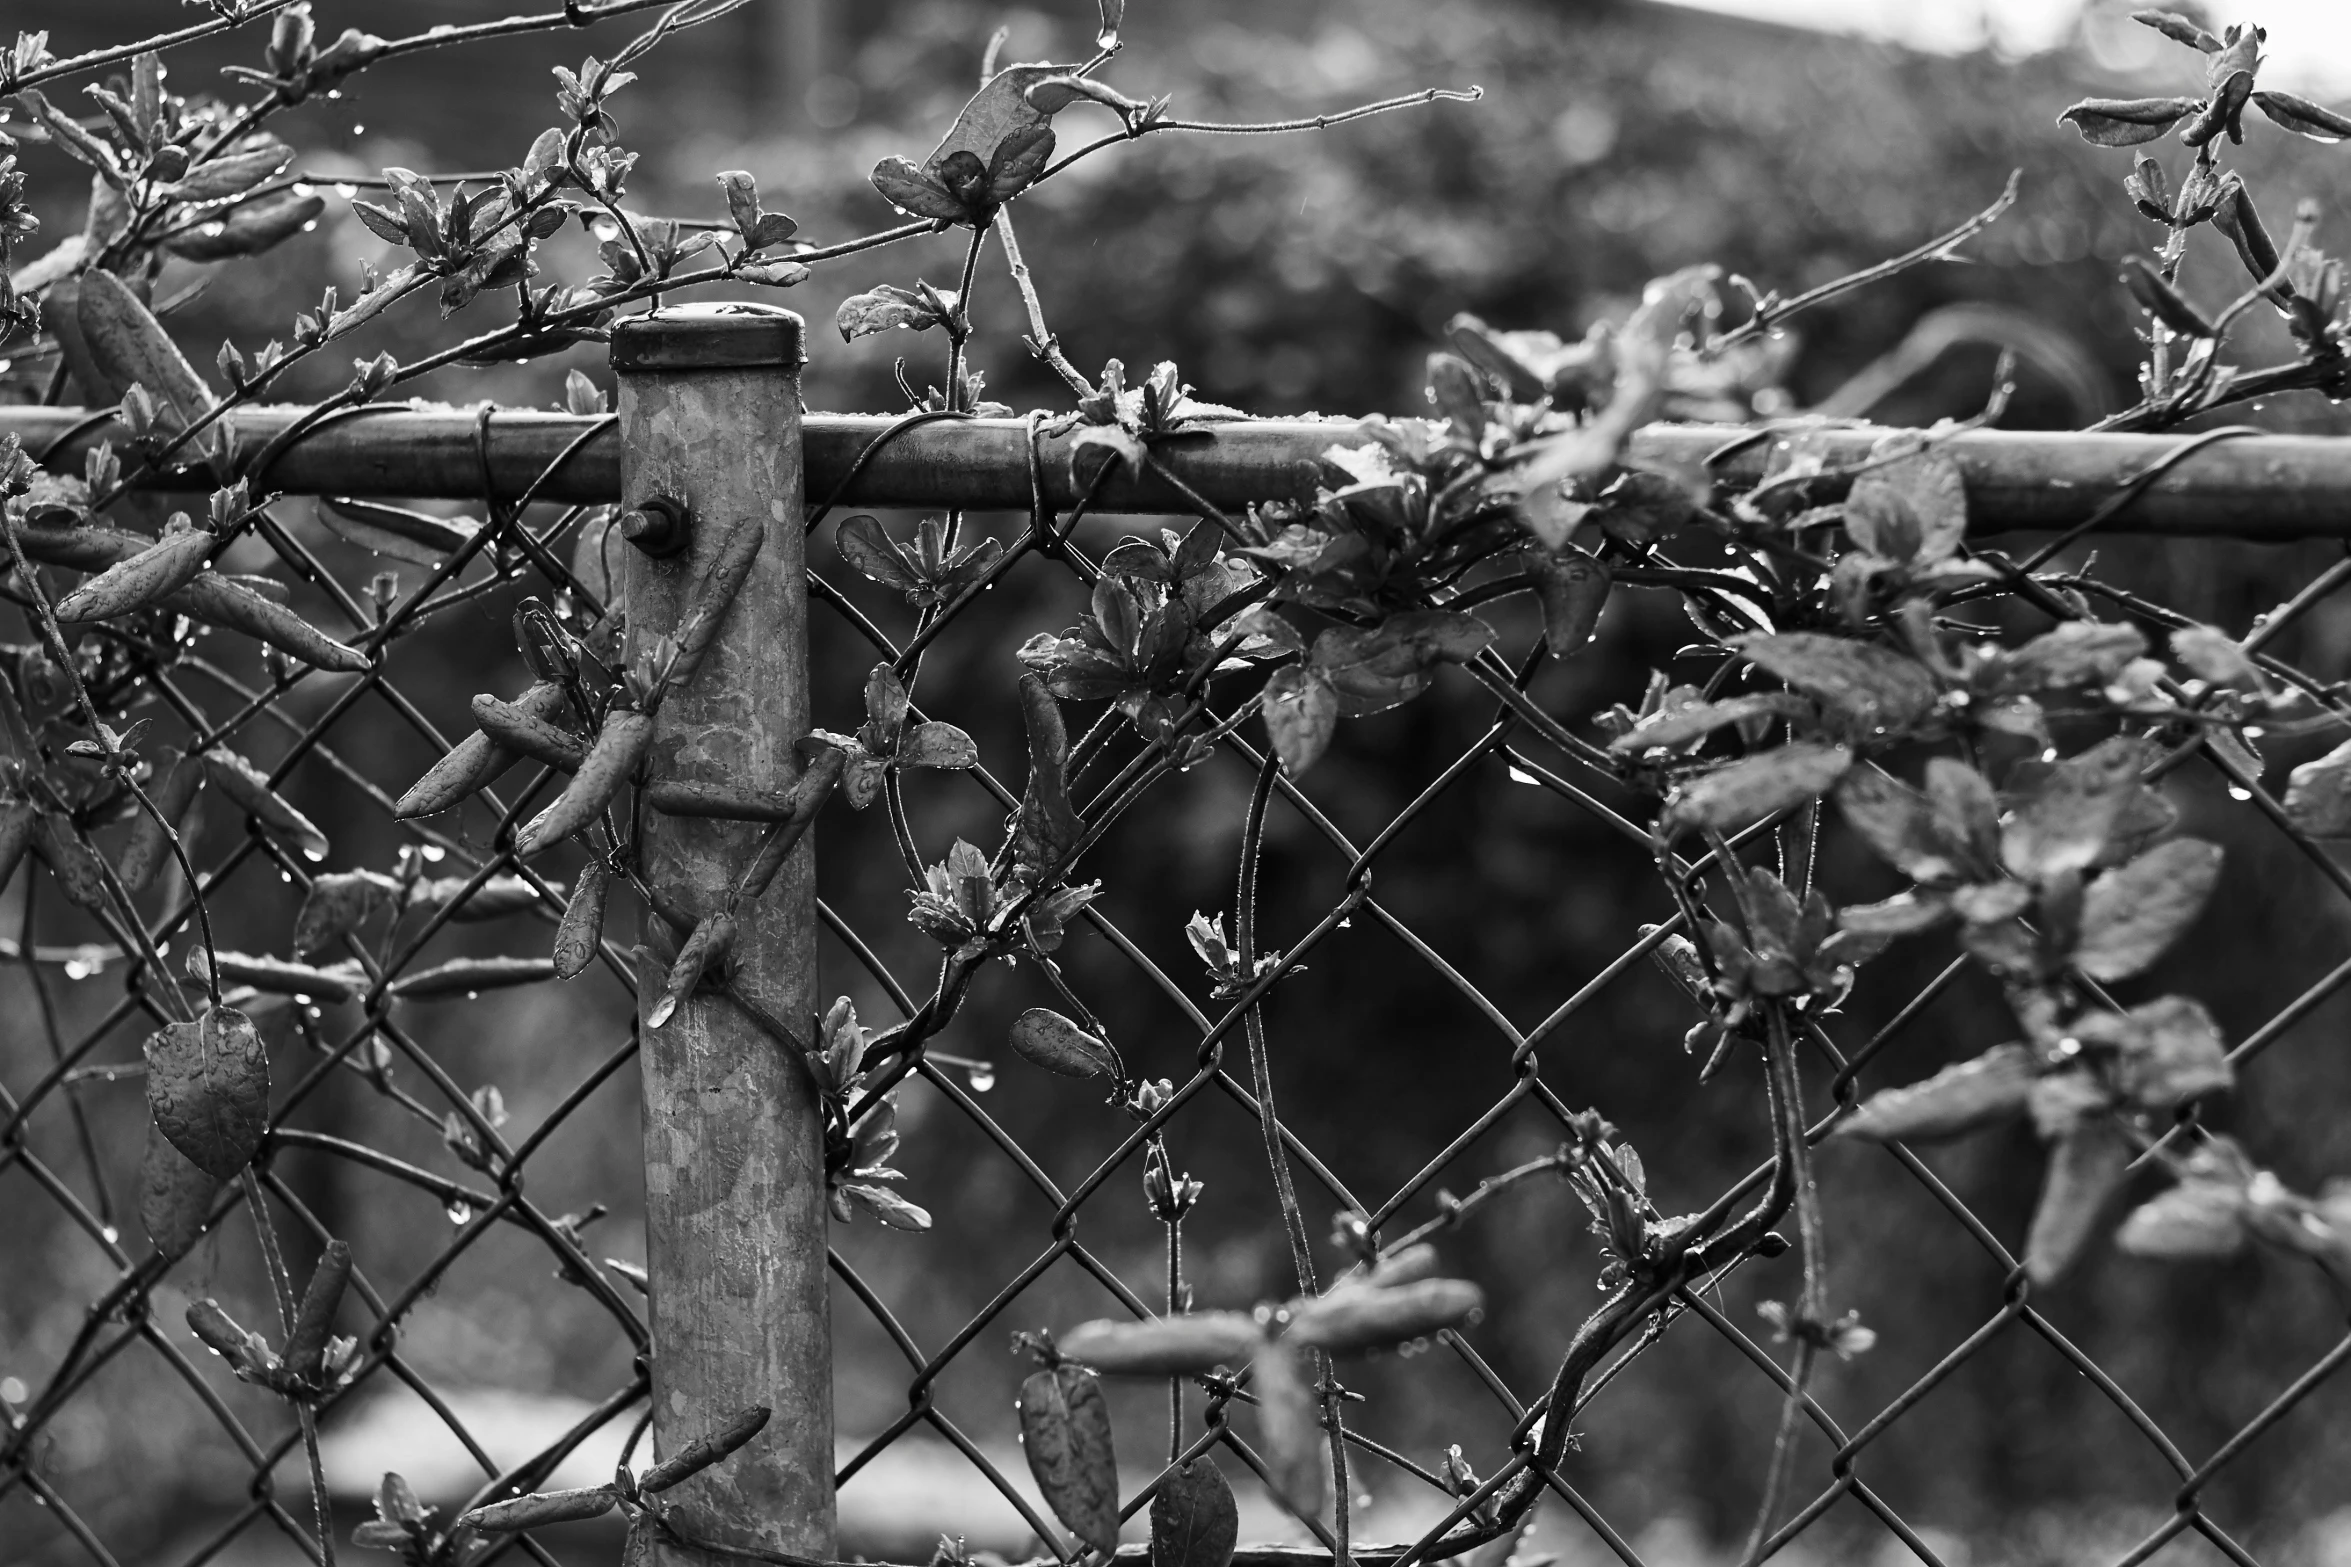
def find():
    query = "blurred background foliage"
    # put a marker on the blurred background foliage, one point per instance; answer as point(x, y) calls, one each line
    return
point(1617, 140)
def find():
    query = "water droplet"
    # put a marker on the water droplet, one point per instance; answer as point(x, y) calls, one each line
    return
point(345, 189)
point(284, 879)
point(308, 228)
point(2239, 792)
point(357, 129)
point(460, 1211)
point(314, 856)
point(983, 1076)
point(305, 188)
point(79, 968)
point(1521, 775)
point(2050, 755)
point(110, 1235)
point(434, 853)
point(473, 995)
point(14, 1390)
point(1348, 923)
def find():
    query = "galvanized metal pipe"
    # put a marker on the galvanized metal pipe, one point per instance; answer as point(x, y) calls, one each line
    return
point(2267, 488)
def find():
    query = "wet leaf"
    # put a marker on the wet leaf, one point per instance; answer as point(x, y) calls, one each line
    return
point(887, 1206)
point(1047, 826)
point(147, 848)
point(338, 904)
point(147, 578)
point(1912, 510)
point(208, 1089)
point(1045, 1038)
point(1755, 787)
point(2078, 653)
point(886, 307)
point(2071, 815)
point(1874, 687)
point(1573, 586)
point(611, 762)
point(175, 1196)
point(2303, 117)
point(1301, 713)
point(1992, 1088)
point(1898, 822)
point(247, 229)
point(314, 1323)
point(1065, 1435)
point(2134, 912)
point(580, 935)
point(2086, 1168)
point(2197, 1218)
point(2166, 1052)
point(248, 788)
point(462, 976)
point(129, 348)
point(708, 944)
point(2126, 122)
point(1195, 1520)
point(416, 537)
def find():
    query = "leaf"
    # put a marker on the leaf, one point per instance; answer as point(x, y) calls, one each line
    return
point(935, 744)
point(1289, 1426)
point(2161, 300)
point(2197, 1218)
point(155, 573)
point(1755, 787)
point(887, 307)
point(1912, 509)
point(175, 1196)
point(2126, 122)
point(580, 935)
point(2086, 1168)
point(224, 602)
point(1992, 1088)
point(905, 186)
point(713, 595)
point(248, 788)
point(2132, 913)
point(208, 1089)
point(1065, 1435)
point(338, 904)
point(2178, 29)
point(416, 537)
point(873, 554)
point(129, 347)
point(1301, 712)
point(2167, 1051)
point(539, 1509)
point(275, 976)
point(148, 847)
point(1372, 669)
point(706, 946)
point(1188, 1345)
point(464, 976)
point(1047, 826)
point(2318, 795)
point(2067, 822)
point(2303, 117)
point(997, 122)
point(1195, 1521)
point(1898, 822)
point(1875, 687)
point(1045, 1038)
point(1573, 588)
point(1674, 726)
point(1380, 1317)
point(2077, 653)
point(314, 1323)
point(887, 1206)
point(247, 229)
point(704, 1451)
point(611, 762)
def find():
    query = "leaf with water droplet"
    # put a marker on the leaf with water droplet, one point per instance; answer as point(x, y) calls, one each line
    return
point(1043, 1037)
point(1194, 1518)
point(175, 1196)
point(208, 1089)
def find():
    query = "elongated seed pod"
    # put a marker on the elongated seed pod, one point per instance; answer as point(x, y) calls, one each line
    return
point(712, 939)
point(1373, 1317)
point(724, 801)
point(465, 975)
point(154, 574)
point(807, 797)
point(1165, 1346)
point(221, 602)
point(714, 594)
point(306, 1342)
point(516, 730)
point(17, 823)
point(277, 977)
point(581, 933)
point(249, 789)
point(610, 763)
point(149, 844)
point(704, 1451)
point(541, 1508)
point(475, 762)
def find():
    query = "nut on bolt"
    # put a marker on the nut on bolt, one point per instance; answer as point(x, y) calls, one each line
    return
point(657, 525)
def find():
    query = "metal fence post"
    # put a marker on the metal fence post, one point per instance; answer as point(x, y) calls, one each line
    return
point(710, 420)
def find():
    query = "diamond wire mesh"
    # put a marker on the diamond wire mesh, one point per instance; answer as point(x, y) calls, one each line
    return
point(54, 1149)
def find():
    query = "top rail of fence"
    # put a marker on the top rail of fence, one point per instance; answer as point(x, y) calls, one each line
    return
point(2233, 484)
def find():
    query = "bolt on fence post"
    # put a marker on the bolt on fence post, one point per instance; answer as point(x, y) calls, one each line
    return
point(710, 419)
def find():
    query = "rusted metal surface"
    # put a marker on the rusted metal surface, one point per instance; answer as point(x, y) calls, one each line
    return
point(2254, 487)
point(734, 1166)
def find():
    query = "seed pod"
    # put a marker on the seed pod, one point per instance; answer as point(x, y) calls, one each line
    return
point(466, 975)
point(275, 976)
point(722, 801)
point(1289, 1426)
point(712, 939)
point(610, 762)
point(249, 788)
point(804, 799)
point(475, 762)
point(1165, 1346)
point(218, 601)
point(79, 874)
point(149, 846)
point(247, 1352)
point(147, 578)
point(513, 729)
point(581, 935)
point(713, 595)
point(2159, 299)
point(541, 1508)
point(1369, 1318)
point(704, 1451)
point(493, 899)
point(1045, 1038)
point(306, 1342)
point(17, 825)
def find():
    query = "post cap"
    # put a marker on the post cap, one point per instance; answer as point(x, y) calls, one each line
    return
point(730, 336)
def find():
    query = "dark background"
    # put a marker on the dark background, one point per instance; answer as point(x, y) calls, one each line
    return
point(1616, 141)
